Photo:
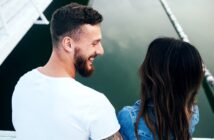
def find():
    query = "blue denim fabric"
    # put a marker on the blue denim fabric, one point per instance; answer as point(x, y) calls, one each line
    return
point(128, 115)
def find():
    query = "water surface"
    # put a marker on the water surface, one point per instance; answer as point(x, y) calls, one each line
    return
point(129, 27)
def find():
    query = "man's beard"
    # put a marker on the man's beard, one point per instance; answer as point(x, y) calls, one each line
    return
point(81, 65)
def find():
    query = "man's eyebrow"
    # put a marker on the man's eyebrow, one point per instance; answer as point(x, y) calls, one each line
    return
point(96, 41)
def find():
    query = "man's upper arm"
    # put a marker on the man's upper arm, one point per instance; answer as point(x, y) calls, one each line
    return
point(103, 118)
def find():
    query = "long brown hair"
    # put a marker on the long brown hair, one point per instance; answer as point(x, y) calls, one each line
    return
point(170, 76)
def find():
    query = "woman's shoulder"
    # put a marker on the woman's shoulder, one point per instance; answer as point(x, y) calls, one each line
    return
point(127, 117)
point(130, 112)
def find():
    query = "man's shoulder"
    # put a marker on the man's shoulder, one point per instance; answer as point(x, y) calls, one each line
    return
point(86, 88)
point(29, 73)
point(26, 77)
point(94, 94)
point(94, 98)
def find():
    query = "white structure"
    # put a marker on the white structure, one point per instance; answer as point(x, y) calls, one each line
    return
point(16, 18)
point(10, 135)
point(7, 135)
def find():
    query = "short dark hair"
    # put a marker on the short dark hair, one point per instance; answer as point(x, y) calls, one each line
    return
point(68, 19)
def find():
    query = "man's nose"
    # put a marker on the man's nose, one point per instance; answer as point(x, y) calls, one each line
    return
point(100, 50)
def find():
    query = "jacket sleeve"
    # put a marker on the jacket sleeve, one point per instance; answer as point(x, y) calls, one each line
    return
point(126, 124)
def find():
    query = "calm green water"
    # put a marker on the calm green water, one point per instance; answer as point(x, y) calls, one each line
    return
point(129, 27)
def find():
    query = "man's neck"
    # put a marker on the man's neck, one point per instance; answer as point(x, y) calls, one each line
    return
point(58, 66)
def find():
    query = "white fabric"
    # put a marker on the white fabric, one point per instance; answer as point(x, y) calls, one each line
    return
point(48, 108)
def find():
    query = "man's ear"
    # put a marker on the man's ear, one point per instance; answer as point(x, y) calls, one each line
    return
point(68, 44)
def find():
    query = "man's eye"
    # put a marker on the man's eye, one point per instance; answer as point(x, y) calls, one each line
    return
point(94, 43)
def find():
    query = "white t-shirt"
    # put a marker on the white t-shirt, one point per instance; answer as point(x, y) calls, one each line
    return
point(50, 108)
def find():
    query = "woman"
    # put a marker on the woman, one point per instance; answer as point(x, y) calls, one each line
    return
point(171, 75)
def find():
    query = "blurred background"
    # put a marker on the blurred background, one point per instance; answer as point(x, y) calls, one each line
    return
point(128, 28)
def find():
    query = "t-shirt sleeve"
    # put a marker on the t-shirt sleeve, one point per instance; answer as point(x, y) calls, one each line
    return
point(126, 124)
point(104, 121)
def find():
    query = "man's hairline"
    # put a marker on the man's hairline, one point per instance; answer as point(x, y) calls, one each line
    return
point(76, 31)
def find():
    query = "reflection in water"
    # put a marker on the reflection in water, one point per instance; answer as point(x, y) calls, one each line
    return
point(128, 28)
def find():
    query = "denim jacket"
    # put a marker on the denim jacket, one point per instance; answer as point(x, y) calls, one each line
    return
point(128, 115)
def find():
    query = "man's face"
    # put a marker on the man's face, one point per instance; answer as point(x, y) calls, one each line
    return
point(87, 48)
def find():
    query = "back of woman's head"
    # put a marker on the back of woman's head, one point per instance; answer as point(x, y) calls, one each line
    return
point(170, 76)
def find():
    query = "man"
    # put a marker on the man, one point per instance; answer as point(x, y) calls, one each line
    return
point(48, 104)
